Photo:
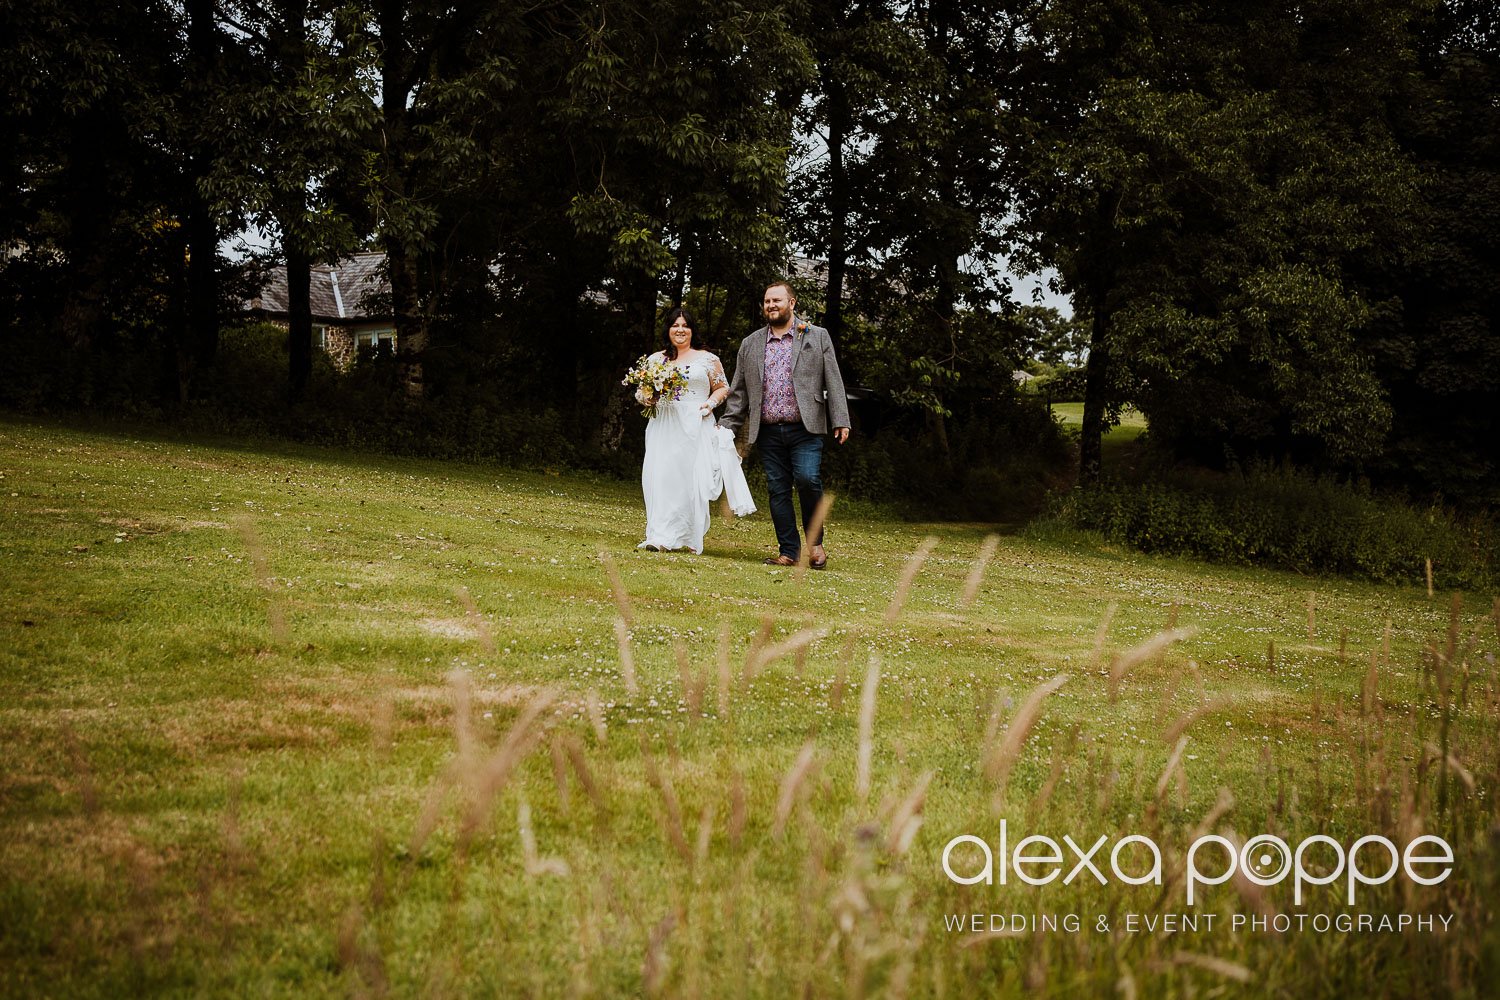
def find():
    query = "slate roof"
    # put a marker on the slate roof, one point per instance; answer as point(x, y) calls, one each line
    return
point(808, 272)
point(337, 294)
point(338, 290)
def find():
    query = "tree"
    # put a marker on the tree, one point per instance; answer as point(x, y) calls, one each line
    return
point(297, 105)
point(1438, 343)
point(1050, 337)
point(917, 200)
point(677, 121)
point(202, 86)
point(95, 252)
point(680, 119)
point(1208, 181)
point(865, 58)
point(411, 159)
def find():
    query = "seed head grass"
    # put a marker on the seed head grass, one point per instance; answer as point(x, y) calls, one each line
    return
point(279, 720)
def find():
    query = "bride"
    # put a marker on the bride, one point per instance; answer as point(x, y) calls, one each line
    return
point(688, 461)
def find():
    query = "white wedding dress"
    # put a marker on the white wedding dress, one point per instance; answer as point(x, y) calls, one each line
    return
point(689, 462)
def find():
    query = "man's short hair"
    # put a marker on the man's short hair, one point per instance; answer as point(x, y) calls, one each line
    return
point(791, 292)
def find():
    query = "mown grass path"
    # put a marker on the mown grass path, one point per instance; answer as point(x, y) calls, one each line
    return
point(240, 685)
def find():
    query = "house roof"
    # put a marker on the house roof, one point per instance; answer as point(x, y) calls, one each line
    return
point(808, 272)
point(338, 292)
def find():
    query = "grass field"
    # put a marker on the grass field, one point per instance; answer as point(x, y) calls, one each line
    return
point(1132, 421)
point(1120, 442)
point(282, 721)
point(1131, 426)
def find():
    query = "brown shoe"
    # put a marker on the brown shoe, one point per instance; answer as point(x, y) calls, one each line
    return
point(780, 561)
point(817, 563)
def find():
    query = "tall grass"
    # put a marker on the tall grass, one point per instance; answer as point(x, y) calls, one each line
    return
point(759, 803)
point(869, 897)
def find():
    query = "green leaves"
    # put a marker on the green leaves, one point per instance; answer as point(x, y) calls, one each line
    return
point(632, 244)
point(1214, 182)
point(682, 142)
point(1277, 223)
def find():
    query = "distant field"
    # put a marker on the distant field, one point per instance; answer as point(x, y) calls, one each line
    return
point(1132, 422)
point(285, 721)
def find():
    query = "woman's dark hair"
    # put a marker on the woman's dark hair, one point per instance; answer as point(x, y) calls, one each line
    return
point(666, 332)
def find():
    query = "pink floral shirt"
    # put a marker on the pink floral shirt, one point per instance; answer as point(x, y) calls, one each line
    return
point(778, 402)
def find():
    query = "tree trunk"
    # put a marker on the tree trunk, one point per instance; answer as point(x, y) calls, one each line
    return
point(725, 331)
point(945, 308)
point(944, 254)
point(641, 310)
point(88, 209)
point(937, 426)
point(203, 282)
point(411, 332)
point(1095, 397)
point(1099, 280)
point(679, 280)
point(176, 335)
point(202, 231)
point(299, 319)
point(616, 405)
point(838, 205)
point(295, 244)
point(395, 89)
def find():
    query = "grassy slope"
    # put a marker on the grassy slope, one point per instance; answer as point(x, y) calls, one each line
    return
point(197, 801)
point(1118, 439)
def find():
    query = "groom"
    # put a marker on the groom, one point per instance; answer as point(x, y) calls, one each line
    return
point(788, 390)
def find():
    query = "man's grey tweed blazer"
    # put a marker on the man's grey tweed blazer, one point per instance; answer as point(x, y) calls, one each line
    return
point(816, 382)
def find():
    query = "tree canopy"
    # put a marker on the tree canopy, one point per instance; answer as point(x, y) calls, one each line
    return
point(1276, 222)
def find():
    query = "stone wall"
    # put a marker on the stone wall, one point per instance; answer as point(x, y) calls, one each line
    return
point(338, 341)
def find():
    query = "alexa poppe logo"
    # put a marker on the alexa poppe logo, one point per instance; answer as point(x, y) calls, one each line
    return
point(1314, 865)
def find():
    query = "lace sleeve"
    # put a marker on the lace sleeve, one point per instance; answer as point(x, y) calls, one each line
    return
point(717, 383)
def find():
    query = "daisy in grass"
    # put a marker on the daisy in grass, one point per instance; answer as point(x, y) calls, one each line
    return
point(655, 379)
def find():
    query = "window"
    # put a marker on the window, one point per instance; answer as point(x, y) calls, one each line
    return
point(375, 343)
point(383, 339)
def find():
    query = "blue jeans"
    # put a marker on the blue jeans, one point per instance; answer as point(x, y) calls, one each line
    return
point(792, 456)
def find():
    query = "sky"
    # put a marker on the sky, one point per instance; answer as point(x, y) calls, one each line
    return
point(1022, 288)
point(249, 241)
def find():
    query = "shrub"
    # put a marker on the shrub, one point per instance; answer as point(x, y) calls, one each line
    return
point(1004, 465)
point(368, 407)
point(1292, 520)
point(861, 468)
point(1064, 385)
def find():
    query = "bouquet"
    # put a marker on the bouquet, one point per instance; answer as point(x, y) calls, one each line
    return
point(656, 379)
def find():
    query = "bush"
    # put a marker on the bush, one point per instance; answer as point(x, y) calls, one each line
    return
point(1004, 465)
point(1065, 385)
point(1292, 520)
point(861, 468)
point(1005, 460)
point(367, 408)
